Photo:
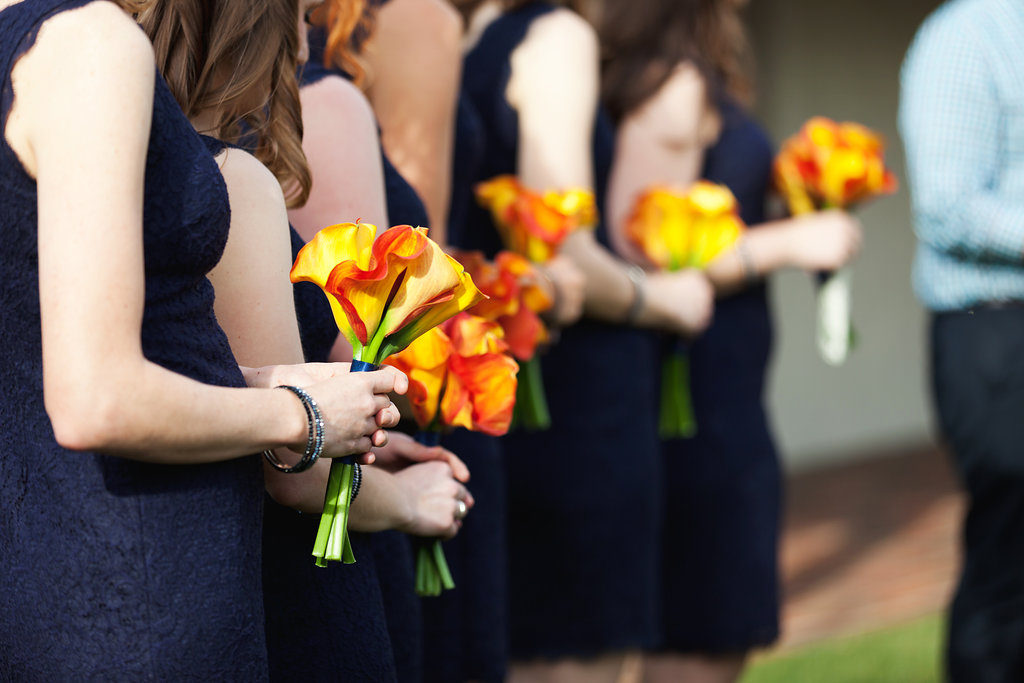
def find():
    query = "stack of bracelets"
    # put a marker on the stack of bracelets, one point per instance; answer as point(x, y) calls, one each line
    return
point(314, 444)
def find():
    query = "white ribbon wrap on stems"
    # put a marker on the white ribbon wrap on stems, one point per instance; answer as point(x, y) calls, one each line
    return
point(835, 332)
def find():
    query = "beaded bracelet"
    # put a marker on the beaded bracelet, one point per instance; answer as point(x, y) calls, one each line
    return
point(315, 441)
point(357, 481)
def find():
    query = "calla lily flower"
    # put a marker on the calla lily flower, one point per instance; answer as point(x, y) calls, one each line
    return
point(535, 224)
point(515, 297)
point(688, 229)
point(385, 291)
point(830, 165)
point(460, 376)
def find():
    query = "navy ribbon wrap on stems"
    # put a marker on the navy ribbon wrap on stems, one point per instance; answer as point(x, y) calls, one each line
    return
point(332, 541)
point(432, 573)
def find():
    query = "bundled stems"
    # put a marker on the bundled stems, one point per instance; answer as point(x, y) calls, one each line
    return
point(332, 543)
point(432, 573)
point(531, 411)
point(677, 420)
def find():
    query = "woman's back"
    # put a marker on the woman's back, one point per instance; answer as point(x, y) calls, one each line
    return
point(104, 557)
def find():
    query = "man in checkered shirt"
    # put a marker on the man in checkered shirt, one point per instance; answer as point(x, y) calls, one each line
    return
point(962, 123)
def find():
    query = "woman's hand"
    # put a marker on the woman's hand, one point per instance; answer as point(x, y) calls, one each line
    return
point(681, 302)
point(827, 240)
point(402, 451)
point(567, 289)
point(432, 497)
point(356, 406)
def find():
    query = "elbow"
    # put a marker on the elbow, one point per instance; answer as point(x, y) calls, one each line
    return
point(88, 421)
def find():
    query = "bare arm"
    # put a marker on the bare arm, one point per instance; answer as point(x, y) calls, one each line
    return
point(84, 117)
point(341, 144)
point(554, 88)
point(415, 58)
point(663, 143)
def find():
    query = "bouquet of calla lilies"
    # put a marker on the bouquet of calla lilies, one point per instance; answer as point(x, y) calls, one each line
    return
point(829, 165)
point(515, 300)
point(385, 291)
point(533, 226)
point(459, 376)
point(683, 229)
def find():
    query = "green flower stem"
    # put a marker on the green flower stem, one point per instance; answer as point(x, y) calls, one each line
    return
point(432, 573)
point(531, 411)
point(332, 542)
point(677, 419)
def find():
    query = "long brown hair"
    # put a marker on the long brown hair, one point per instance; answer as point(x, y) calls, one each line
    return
point(643, 41)
point(349, 25)
point(259, 41)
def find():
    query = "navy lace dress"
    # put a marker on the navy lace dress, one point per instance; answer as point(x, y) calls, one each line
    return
point(366, 616)
point(722, 487)
point(583, 508)
point(112, 568)
point(465, 629)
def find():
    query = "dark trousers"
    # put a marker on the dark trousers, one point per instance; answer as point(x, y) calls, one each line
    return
point(978, 373)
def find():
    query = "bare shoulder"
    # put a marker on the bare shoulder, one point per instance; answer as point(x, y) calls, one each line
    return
point(559, 34)
point(98, 30)
point(679, 112)
point(438, 18)
point(249, 181)
point(339, 98)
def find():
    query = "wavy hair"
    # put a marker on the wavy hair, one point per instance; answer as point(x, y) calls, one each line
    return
point(237, 58)
point(643, 41)
point(350, 24)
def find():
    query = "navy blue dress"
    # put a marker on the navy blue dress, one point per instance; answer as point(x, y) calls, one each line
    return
point(117, 569)
point(369, 616)
point(583, 509)
point(465, 629)
point(722, 487)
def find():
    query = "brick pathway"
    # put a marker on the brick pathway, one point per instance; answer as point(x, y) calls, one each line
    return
point(869, 544)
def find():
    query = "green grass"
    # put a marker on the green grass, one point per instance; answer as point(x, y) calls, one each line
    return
point(903, 654)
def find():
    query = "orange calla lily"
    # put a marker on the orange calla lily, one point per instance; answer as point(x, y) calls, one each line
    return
point(535, 224)
point(385, 291)
point(460, 376)
point(829, 164)
point(687, 229)
point(515, 297)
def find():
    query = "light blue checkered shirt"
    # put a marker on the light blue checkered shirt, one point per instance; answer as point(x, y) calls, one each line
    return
point(962, 123)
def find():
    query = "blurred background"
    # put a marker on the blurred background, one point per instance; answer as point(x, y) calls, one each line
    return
point(870, 548)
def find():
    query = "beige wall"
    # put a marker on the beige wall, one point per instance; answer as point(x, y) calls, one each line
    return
point(842, 59)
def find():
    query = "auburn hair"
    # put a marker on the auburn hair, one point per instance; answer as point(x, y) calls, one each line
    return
point(238, 58)
point(350, 24)
point(643, 41)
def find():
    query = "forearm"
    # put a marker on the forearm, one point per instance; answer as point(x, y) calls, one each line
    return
point(381, 505)
point(762, 253)
point(608, 292)
point(144, 412)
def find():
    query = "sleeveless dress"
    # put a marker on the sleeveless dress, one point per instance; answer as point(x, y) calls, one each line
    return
point(112, 568)
point(321, 623)
point(583, 509)
point(723, 487)
point(465, 629)
point(365, 617)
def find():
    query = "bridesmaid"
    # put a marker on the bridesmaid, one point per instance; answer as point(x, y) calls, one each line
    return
point(416, 60)
point(348, 604)
point(108, 187)
point(355, 179)
point(582, 520)
point(673, 79)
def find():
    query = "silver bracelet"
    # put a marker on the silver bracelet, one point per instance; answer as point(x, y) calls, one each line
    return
point(637, 278)
point(314, 442)
point(750, 276)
